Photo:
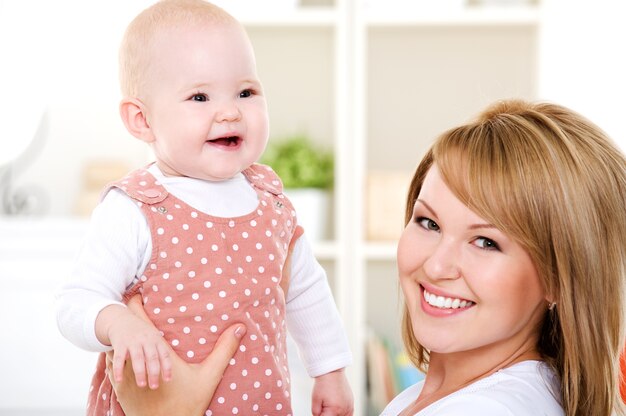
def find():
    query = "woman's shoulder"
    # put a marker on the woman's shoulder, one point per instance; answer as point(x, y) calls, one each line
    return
point(528, 386)
point(525, 389)
point(402, 400)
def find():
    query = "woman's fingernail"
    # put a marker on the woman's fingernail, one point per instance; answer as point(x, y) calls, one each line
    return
point(240, 331)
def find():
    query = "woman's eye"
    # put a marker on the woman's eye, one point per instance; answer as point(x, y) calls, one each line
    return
point(486, 243)
point(245, 93)
point(199, 97)
point(427, 224)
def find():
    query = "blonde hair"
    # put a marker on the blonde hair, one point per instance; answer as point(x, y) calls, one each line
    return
point(556, 184)
point(137, 44)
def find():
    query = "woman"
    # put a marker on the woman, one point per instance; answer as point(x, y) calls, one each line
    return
point(512, 268)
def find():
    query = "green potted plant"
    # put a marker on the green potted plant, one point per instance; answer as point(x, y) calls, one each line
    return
point(307, 172)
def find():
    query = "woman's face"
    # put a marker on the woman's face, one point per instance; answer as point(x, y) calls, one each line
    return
point(467, 286)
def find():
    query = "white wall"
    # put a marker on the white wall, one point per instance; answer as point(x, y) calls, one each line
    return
point(62, 55)
point(583, 60)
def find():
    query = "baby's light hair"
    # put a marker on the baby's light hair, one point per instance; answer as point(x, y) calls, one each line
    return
point(136, 46)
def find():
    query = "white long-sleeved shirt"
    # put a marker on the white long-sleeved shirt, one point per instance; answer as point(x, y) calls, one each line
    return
point(118, 246)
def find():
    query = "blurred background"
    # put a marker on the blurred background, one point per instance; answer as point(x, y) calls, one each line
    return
point(371, 82)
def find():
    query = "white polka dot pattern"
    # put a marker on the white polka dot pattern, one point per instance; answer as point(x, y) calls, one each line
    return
point(209, 273)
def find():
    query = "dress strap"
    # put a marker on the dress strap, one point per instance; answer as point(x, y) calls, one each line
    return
point(140, 185)
point(263, 177)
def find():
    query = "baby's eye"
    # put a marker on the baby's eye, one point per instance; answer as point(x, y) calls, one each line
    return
point(486, 243)
point(200, 97)
point(427, 223)
point(246, 93)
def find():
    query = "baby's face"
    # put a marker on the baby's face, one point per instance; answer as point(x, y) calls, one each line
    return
point(205, 105)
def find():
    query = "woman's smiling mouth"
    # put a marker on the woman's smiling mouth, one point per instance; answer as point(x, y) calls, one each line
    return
point(443, 302)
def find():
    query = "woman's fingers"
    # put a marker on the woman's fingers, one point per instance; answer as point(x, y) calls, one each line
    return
point(213, 367)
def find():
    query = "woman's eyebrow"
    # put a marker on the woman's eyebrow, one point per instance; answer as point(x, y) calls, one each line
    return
point(481, 225)
point(471, 227)
point(428, 207)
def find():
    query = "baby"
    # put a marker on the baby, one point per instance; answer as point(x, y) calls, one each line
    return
point(203, 233)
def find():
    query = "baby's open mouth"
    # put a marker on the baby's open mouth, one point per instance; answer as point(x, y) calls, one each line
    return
point(229, 141)
point(445, 302)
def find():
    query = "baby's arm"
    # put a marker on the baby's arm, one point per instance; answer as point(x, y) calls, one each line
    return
point(315, 325)
point(89, 309)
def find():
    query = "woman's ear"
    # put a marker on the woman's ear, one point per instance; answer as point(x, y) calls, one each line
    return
point(133, 113)
point(551, 301)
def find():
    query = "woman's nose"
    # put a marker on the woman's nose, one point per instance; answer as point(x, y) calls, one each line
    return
point(443, 262)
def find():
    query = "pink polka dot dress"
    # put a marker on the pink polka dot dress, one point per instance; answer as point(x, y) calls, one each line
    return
point(207, 273)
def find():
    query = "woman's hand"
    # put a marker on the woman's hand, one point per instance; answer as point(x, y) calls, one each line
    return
point(191, 387)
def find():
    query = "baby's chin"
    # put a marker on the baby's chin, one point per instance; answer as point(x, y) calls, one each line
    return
point(216, 176)
point(211, 175)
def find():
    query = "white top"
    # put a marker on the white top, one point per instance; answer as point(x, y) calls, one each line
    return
point(527, 388)
point(117, 248)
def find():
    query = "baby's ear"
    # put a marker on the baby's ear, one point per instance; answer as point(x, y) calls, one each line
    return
point(133, 113)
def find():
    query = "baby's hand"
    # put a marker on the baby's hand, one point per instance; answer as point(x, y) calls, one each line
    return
point(135, 337)
point(332, 395)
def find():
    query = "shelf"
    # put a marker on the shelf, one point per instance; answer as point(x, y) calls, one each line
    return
point(301, 17)
point(493, 16)
point(325, 250)
point(385, 251)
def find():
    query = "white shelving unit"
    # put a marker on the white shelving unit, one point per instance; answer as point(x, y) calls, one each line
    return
point(377, 85)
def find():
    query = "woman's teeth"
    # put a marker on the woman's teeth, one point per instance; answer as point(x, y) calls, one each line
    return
point(446, 303)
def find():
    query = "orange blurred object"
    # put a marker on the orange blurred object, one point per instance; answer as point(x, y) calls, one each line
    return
point(622, 385)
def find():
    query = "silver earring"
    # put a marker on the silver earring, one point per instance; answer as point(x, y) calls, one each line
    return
point(551, 306)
